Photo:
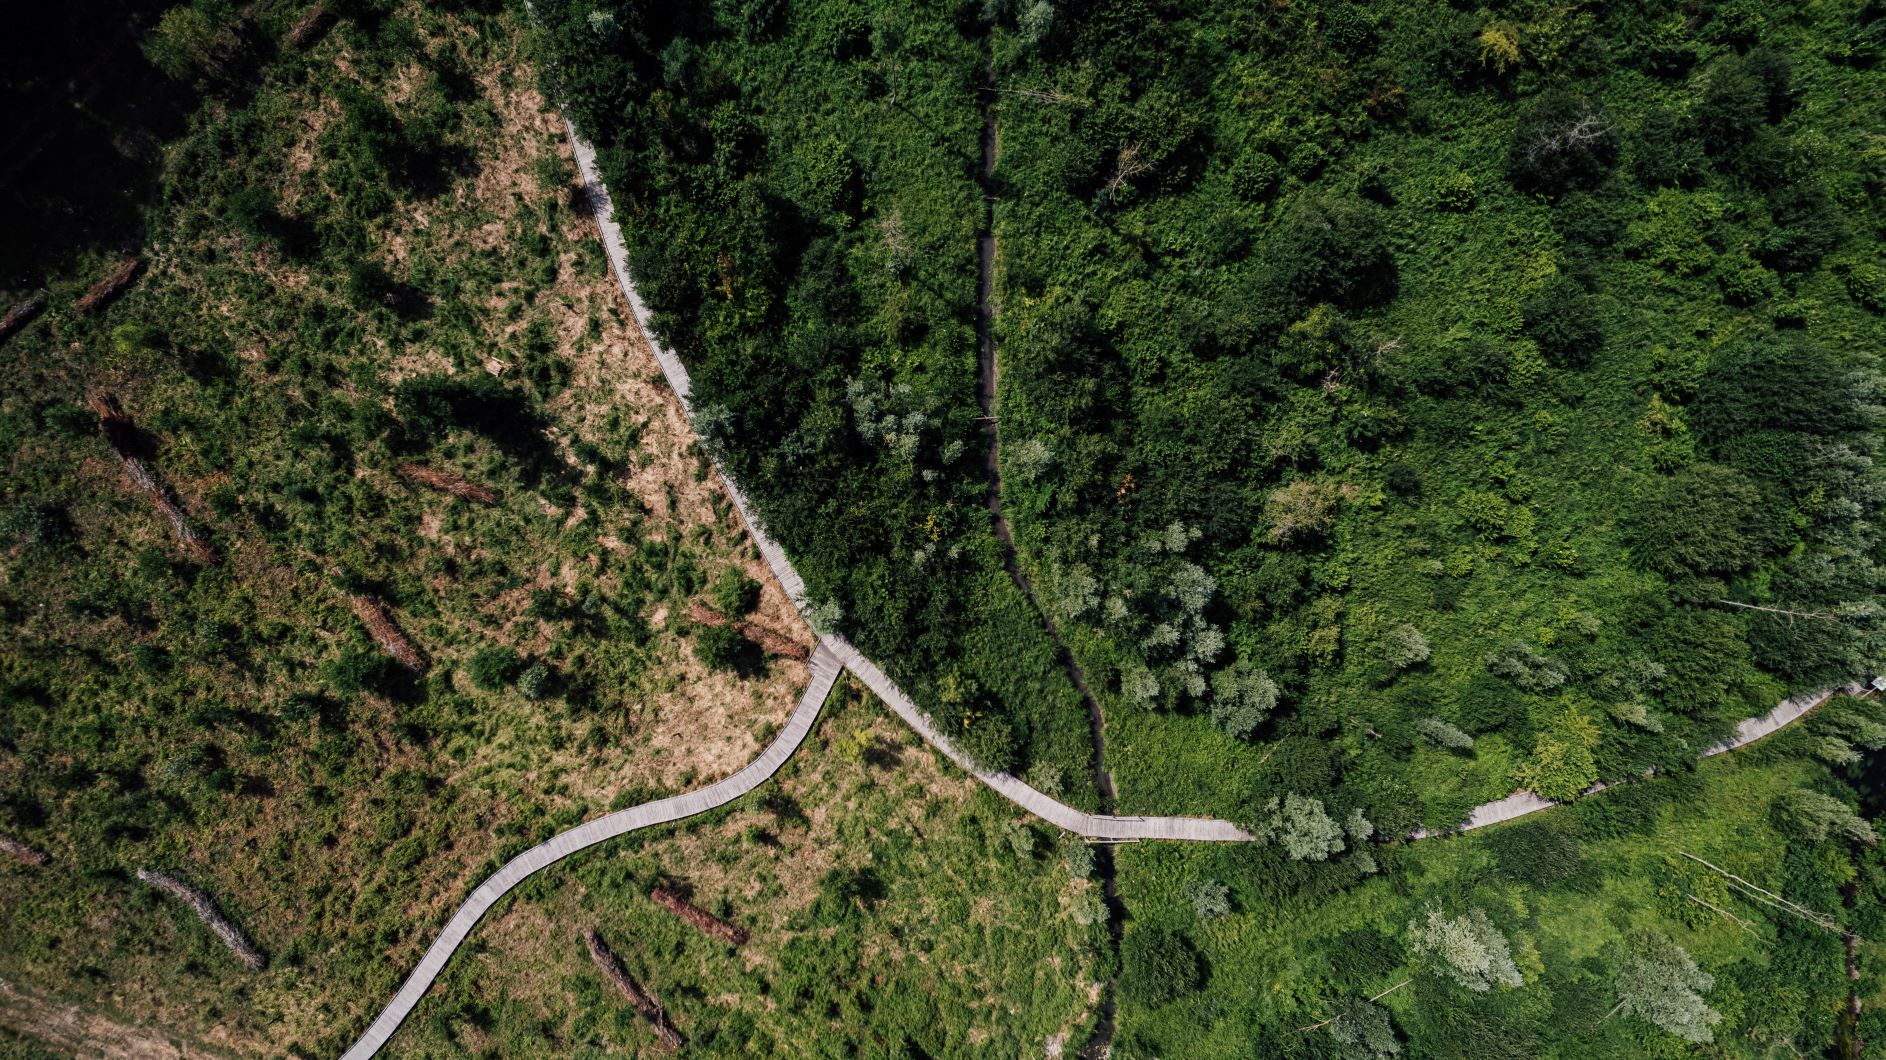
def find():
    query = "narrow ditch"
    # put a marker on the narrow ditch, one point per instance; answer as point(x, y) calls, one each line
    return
point(986, 395)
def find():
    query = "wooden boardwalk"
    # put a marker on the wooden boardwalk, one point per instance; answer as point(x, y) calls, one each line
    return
point(830, 658)
point(825, 667)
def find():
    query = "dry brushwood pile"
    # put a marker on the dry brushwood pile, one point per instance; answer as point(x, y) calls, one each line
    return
point(20, 316)
point(639, 998)
point(701, 919)
point(380, 626)
point(22, 853)
point(113, 285)
point(446, 482)
point(124, 441)
point(311, 28)
point(206, 911)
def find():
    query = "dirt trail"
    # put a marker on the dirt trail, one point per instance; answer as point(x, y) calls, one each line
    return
point(987, 395)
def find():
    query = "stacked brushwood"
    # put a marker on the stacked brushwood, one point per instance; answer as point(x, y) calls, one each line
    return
point(122, 438)
point(113, 285)
point(20, 316)
point(22, 853)
point(770, 641)
point(207, 912)
point(385, 633)
point(706, 922)
point(312, 27)
point(639, 998)
point(446, 482)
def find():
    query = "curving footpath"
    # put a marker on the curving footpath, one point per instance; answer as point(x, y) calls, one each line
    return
point(1522, 802)
point(1093, 826)
point(830, 658)
point(825, 670)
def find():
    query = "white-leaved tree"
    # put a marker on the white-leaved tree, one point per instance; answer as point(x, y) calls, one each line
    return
point(1242, 696)
point(1443, 734)
point(1467, 949)
point(1659, 982)
point(1362, 1030)
point(1302, 826)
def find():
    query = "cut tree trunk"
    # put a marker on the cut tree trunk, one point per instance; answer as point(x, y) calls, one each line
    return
point(703, 920)
point(446, 482)
point(639, 998)
point(113, 285)
point(22, 853)
point(19, 316)
point(312, 27)
point(122, 438)
point(206, 911)
point(386, 633)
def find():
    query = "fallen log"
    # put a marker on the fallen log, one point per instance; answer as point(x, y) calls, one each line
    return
point(385, 633)
point(113, 285)
point(312, 27)
point(701, 919)
point(445, 482)
point(20, 316)
point(123, 439)
point(639, 998)
point(207, 912)
point(768, 640)
point(22, 853)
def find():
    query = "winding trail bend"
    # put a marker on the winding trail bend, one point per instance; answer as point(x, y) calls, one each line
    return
point(832, 656)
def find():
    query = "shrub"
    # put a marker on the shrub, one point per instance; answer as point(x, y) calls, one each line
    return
point(1562, 319)
point(491, 669)
point(719, 647)
point(733, 593)
point(1079, 857)
point(537, 681)
point(1158, 965)
point(360, 670)
point(1702, 520)
point(1562, 142)
point(1666, 153)
point(1210, 899)
point(1536, 854)
point(1660, 983)
point(1816, 816)
point(990, 742)
point(1441, 734)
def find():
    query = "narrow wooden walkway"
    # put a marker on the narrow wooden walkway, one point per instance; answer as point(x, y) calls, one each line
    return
point(1522, 802)
point(825, 667)
point(833, 656)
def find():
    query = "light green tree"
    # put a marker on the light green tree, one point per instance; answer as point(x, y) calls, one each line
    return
point(1444, 735)
point(1362, 1030)
point(1658, 982)
point(1468, 949)
point(1817, 816)
point(1306, 830)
